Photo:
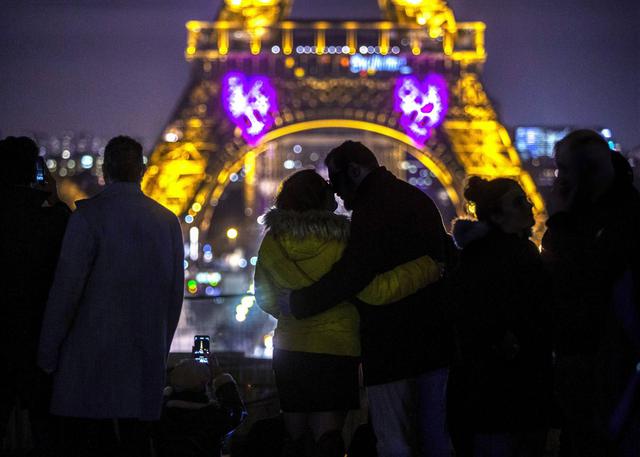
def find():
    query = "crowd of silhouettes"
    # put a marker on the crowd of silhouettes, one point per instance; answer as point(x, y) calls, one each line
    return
point(478, 343)
point(85, 346)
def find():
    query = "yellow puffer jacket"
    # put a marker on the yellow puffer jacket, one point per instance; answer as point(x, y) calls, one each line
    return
point(298, 249)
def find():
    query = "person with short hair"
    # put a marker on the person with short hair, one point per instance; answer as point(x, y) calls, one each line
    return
point(32, 224)
point(112, 312)
point(501, 384)
point(406, 345)
point(592, 250)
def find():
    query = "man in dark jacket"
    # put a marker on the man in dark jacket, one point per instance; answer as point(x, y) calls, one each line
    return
point(112, 312)
point(30, 239)
point(590, 246)
point(405, 345)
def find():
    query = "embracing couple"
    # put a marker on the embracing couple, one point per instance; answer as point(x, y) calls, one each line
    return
point(361, 290)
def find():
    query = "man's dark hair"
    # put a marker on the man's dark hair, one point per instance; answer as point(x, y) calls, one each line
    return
point(18, 156)
point(123, 159)
point(351, 152)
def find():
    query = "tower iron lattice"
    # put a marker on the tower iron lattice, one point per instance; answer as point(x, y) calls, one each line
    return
point(413, 77)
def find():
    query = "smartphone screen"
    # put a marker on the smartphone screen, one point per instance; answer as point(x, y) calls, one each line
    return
point(201, 348)
point(39, 175)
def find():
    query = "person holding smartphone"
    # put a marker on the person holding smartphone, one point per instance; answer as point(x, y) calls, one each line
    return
point(202, 405)
point(32, 225)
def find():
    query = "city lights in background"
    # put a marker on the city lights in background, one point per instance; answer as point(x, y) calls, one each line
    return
point(268, 345)
point(192, 286)
point(534, 142)
point(423, 105)
point(250, 103)
point(207, 255)
point(194, 233)
point(209, 282)
point(236, 260)
point(171, 137)
point(242, 310)
point(75, 160)
point(232, 233)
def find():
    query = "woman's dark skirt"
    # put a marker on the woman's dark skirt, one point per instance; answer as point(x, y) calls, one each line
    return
point(309, 382)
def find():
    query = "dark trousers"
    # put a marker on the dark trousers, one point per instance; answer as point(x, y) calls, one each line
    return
point(81, 437)
point(26, 388)
point(583, 435)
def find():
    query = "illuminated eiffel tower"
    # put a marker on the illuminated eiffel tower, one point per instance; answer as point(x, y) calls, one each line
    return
point(412, 78)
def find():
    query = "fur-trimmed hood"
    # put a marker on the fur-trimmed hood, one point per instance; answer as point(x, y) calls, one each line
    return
point(466, 231)
point(312, 240)
point(322, 225)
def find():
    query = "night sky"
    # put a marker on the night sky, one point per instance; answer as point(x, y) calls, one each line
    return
point(115, 66)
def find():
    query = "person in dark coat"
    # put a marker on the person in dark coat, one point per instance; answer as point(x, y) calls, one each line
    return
point(32, 225)
point(112, 311)
point(194, 422)
point(406, 345)
point(591, 246)
point(501, 384)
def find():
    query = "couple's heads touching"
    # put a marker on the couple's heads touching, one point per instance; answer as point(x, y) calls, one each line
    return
point(502, 202)
point(348, 165)
point(587, 168)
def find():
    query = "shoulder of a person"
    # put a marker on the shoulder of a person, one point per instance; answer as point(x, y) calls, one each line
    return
point(85, 208)
point(493, 250)
point(57, 214)
point(267, 245)
point(400, 196)
point(162, 210)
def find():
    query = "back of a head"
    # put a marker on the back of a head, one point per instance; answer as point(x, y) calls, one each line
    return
point(587, 147)
point(585, 166)
point(189, 375)
point(622, 169)
point(18, 155)
point(303, 191)
point(486, 195)
point(123, 160)
point(351, 152)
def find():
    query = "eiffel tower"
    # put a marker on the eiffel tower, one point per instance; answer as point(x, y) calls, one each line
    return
point(411, 79)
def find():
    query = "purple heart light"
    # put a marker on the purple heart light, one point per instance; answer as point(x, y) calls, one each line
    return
point(250, 103)
point(422, 105)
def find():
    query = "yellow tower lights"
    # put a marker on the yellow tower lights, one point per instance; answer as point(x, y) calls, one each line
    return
point(434, 15)
point(478, 140)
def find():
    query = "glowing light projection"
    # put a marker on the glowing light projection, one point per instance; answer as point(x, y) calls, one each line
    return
point(423, 106)
point(250, 104)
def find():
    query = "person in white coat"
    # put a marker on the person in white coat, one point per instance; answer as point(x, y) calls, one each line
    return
point(112, 312)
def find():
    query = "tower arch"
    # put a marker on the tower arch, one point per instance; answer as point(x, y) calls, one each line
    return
point(306, 75)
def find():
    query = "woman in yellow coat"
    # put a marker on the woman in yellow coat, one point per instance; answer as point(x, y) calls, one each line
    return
point(316, 359)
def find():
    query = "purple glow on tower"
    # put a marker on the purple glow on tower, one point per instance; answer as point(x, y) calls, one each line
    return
point(423, 106)
point(250, 103)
